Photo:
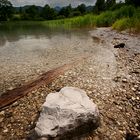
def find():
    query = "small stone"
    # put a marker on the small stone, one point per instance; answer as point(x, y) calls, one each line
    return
point(10, 88)
point(136, 125)
point(5, 130)
point(117, 78)
point(8, 114)
point(121, 131)
point(89, 92)
point(1, 119)
point(120, 107)
point(133, 89)
point(9, 125)
point(124, 80)
point(2, 113)
point(118, 123)
point(15, 104)
point(136, 86)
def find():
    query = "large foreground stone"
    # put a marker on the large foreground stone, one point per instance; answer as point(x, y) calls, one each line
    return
point(66, 114)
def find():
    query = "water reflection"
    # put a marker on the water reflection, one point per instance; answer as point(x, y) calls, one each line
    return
point(13, 34)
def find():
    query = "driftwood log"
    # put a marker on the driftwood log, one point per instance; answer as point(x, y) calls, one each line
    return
point(13, 95)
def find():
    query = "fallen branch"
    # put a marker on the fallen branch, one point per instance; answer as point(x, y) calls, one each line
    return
point(13, 95)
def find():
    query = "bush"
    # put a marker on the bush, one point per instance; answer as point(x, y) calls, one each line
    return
point(105, 19)
point(125, 11)
point(122, 24)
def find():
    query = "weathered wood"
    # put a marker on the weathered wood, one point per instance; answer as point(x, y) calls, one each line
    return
point(13, 95)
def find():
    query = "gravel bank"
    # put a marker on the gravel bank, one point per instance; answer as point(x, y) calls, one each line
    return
point(111, 78)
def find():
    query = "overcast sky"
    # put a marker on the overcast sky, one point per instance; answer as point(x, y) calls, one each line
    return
point(52, 3)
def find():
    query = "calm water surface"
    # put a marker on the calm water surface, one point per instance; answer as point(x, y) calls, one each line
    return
point(26, 53)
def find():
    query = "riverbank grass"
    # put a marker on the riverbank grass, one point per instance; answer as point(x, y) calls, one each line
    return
point(127, 17)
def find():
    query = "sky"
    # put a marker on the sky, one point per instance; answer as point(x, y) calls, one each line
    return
point(52, 3)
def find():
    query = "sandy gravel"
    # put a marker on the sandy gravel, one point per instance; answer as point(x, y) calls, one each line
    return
point(111, 77)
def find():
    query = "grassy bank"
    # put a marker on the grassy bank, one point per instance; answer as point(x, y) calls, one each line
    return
point(127, 17)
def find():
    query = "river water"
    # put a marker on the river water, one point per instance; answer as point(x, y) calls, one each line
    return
point(27, 53)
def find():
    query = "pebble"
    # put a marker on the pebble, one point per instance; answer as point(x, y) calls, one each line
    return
point(124, 80)
point(117, 78)
point(133, 89)
point(15, 104)
point(1, 119)
point(10, 88)
point(2, 113)
point(136, 86)
point(5, 130)
point(133, 98)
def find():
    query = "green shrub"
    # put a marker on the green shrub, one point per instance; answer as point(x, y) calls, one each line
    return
point(122, 24)
point(105, 19)
point(125, 11)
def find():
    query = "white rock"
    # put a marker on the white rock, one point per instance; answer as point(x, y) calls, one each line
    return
point(67, 112)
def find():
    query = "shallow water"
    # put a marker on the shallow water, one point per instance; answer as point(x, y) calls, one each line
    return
point(27, 53)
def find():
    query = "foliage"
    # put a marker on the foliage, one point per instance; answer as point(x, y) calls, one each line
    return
point(117, 6)
point(31, 13)
point(6, 10)
point(48, 13)
point(81, 8)
point(110, 3)
point(66, 11)
point(133, 2)
point(122, 24)
point(99, 6)
point(124, 18)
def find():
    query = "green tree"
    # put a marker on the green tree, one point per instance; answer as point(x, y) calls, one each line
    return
point(66, 11)
point(48, 13)
point(32, 13)
point(110, 3)
point(20, 10)
point(81, 8)
point(99, 6)
point(6, 10)
point(128, 2)
point(134, 2)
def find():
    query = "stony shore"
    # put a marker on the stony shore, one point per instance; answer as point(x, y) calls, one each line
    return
point(111, 79)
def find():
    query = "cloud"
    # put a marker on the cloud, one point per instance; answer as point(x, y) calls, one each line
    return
point(51, 2)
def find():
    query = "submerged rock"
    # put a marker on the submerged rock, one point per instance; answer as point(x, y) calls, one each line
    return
point(121, 45)
point(67, 114)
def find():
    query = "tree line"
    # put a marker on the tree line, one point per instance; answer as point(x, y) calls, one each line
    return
point(8, 12)
point(47, 13)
